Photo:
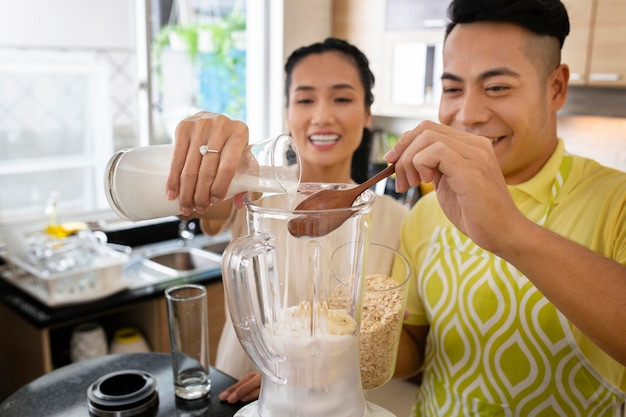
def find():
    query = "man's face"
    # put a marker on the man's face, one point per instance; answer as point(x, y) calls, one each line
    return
point(492, 88)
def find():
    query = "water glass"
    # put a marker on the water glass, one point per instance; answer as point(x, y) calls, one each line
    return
point(189, 340)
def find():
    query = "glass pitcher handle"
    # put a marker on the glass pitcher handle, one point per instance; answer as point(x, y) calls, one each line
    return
point(248, 277)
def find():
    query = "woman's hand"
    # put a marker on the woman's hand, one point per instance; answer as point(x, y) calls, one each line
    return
point(198, 180)
point(246, 389)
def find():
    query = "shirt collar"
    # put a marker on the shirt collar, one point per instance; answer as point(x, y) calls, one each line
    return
point(540, 186)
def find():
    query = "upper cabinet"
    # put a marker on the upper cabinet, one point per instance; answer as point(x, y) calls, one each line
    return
point(363, 24)
point(596, 46)
point(403, 41)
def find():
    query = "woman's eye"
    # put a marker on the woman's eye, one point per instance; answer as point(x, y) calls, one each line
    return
point(304, 101)
point(343, 100)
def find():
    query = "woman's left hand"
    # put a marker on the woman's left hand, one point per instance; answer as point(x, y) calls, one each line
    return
point(246, 389)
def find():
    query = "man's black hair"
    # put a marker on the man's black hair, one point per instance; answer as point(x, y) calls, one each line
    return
point(543, 17)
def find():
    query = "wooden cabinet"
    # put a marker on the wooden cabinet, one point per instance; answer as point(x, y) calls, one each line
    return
point(405, 62)
point(363, 24)
point(596, 46)
point(27, 352)
point(594, 50)
point(608, 51)
point(575, 51)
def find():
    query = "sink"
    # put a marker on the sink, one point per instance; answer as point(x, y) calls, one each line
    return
point(164, 262)
point(183, 261)
point(216, 247)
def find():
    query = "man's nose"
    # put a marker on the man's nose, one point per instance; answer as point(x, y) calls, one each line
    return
point(472, 109)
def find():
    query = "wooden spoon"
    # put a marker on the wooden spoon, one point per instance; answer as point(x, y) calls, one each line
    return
point(316, 223)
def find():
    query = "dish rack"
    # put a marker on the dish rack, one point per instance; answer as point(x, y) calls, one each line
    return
point(98, 278)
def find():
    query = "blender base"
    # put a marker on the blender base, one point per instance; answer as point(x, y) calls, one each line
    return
point(373, 410)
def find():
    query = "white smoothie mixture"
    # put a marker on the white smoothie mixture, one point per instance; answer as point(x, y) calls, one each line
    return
point(321, 366)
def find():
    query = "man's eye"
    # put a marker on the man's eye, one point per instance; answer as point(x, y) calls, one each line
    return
point(498, 88)
point(450, 90)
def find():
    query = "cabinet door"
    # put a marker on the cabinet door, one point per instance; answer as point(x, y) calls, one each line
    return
point(576, 49)
point(608, 62)
point(363, 24)
point(411, 74)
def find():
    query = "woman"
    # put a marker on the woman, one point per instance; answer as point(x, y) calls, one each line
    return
point(329, 94)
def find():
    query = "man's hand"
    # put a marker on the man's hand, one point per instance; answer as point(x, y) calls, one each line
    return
point(464, 169)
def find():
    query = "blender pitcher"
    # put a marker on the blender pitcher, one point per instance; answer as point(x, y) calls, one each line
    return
point(297, 321)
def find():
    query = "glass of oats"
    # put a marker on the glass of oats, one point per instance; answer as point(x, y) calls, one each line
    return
point(384, 299)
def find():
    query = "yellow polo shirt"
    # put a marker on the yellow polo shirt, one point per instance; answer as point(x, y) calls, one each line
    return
point(590, 209)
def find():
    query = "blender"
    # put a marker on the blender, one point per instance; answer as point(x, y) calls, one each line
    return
point(296, 319)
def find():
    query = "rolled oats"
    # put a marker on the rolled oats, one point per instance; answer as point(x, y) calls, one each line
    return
point(381, 324)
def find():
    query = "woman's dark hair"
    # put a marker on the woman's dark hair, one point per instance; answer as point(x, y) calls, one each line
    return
point(360, 156)
point(543, 17)
point(328, 45)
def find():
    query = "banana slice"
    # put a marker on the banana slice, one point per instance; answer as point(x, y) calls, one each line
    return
point(340, 323)
point(65, 229)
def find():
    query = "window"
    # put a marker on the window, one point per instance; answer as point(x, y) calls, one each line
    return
point(68, 100)
point(198, 61)
point(54, 133)
point(73, 93)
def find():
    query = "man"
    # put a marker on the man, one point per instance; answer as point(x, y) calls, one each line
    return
point(519, 285)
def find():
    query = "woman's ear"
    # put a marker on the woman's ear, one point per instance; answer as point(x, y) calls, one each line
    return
point(368, 118)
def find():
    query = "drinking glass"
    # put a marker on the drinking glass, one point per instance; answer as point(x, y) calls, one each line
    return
point(385, 287)
point(189, 340)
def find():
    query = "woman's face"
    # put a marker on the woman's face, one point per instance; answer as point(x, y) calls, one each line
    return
point(326, 111)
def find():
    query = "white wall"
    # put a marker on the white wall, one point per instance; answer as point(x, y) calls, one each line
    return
point(67, 23)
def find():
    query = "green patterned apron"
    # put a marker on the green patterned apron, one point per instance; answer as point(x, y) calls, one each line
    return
point(497, 346)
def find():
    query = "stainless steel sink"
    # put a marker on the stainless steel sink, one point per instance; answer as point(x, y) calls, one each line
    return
point(216, 247)
point(183, 261)
point(168, 261)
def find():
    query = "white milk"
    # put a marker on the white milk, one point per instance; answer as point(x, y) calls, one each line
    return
point(135, 181)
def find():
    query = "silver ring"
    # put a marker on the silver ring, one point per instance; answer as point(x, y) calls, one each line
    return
point(205, 150)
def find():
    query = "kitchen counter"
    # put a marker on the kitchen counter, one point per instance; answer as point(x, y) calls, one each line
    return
point(40, 315)
point(64, 391)
point(36, 336)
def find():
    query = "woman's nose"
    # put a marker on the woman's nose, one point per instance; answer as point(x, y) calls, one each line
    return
point(323, 114)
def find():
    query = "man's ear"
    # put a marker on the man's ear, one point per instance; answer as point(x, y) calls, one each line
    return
point(557, 86)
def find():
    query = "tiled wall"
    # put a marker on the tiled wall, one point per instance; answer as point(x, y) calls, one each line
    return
point(62, 114)
point(47, 82)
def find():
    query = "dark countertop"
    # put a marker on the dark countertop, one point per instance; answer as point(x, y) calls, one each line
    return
point(42, 316)
point(63, 392)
